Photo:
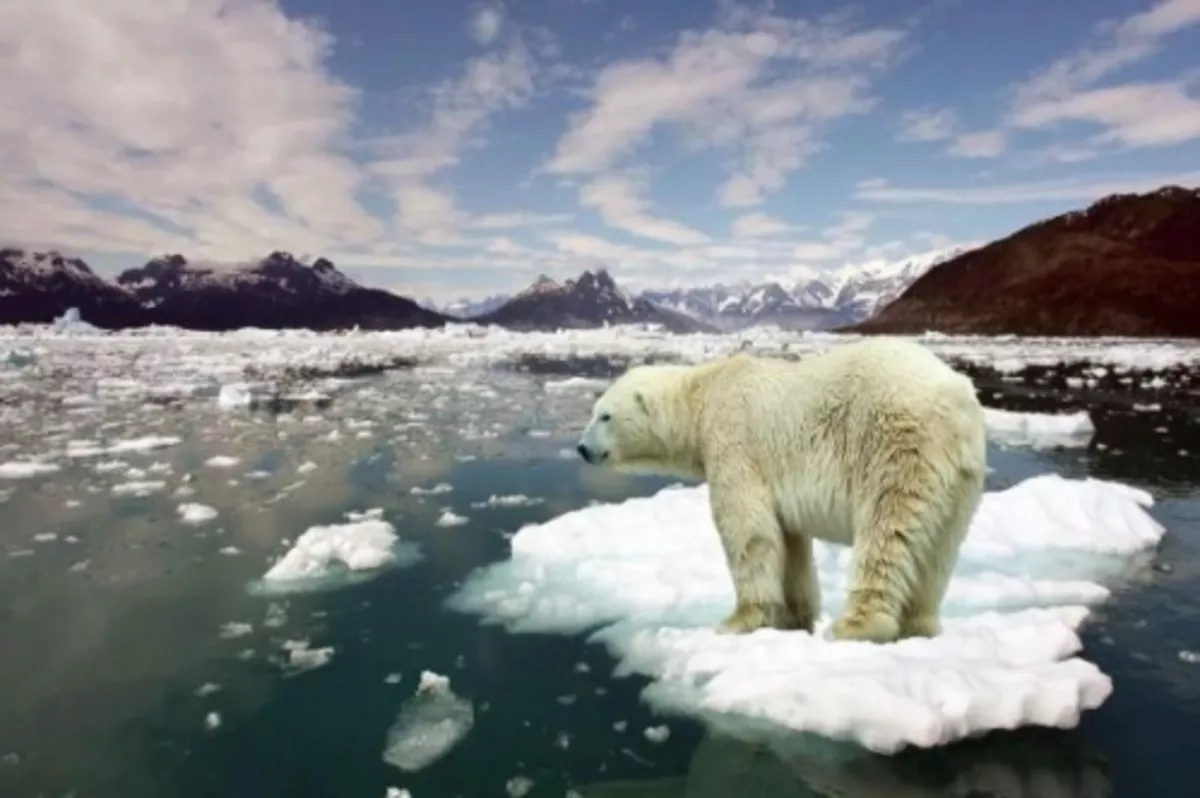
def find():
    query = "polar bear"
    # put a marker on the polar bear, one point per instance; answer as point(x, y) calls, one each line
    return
point(875, 444)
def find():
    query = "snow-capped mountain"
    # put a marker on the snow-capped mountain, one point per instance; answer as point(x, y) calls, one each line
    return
point(276, 292)
point(590, 300)
point(38, 287)
point(465, 308)
point(819, 302)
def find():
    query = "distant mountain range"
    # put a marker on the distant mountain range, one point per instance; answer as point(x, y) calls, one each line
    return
point(1128, 265)
point(591, 300)
point(276, 292)
point(820, 302)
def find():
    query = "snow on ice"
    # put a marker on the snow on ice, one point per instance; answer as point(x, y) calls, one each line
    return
point(332, 556)
point(651, 573)
point(430, 723)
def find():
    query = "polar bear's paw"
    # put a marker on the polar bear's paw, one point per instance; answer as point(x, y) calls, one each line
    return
point(875, 627)
point(751, 617)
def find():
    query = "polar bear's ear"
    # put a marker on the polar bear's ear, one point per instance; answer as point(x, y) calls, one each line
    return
point(642, 404)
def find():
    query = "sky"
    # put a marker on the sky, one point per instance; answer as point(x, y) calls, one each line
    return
point(459, 148)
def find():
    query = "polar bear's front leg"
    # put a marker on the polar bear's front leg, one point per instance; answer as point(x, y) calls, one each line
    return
point(756, 554)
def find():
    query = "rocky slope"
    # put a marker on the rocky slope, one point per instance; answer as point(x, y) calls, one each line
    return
point(38, 287)
point(1128, 265)
point(276, 292)
point(591, 300)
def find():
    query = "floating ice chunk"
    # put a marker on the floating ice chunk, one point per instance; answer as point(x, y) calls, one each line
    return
point(331, 556)
point(652, 573)
point(429, 725)
point(300, 657)
point(235, 395)
point(138, 488)
point(146, 443)
point(222, 461)
point(26, 469)
point(508, 500)
point(450, 518)
point(1040, 430)
point(193, 513)
point(436, 490)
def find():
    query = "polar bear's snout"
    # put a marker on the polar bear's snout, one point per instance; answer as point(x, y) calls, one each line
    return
point(591, 448)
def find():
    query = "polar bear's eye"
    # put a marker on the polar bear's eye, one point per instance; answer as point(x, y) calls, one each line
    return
point(605, 417)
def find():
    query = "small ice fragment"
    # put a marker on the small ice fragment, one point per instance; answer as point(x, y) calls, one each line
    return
point(392, 678)
point(449, 518)
point(45, 537)
point(236, 629)
point(302, 658)
point(429, 725)
point(208, 688)
point(657, 734)
point(212, 720)
point(440, 488)
point(306, 466)
point(222, 461)
point(138, 489)
point(26, 469)
point(1190, 657)
point(396, 792)
point(519, 786)
point(235, 395)
point(195, 514)
point(1040, 430)
point(229, 550)
point(323, 551)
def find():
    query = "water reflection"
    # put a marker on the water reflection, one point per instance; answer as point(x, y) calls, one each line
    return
point(1025, 764)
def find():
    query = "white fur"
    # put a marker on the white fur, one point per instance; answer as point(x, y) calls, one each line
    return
point(876, 444)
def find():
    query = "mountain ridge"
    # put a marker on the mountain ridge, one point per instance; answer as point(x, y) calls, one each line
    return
point(1127, 265)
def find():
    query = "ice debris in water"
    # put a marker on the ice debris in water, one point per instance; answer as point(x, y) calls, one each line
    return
point(651, 572)
point(450, 518)
point(300, 657)
point(430, 723)
point(334, 555)
point(26, 469)
point(1040, 430)
point(222, 461)
point(193, 513)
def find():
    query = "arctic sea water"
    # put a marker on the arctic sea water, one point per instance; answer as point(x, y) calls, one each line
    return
point(403, 582)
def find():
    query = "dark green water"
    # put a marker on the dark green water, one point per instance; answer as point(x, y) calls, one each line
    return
point(102, 664)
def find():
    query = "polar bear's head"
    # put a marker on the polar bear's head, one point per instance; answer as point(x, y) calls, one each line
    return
point(635, 424)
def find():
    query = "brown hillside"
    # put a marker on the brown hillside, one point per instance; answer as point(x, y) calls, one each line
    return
point(1129, 265)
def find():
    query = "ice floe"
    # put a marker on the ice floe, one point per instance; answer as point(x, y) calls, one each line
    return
point(1040, 430)
point(334, 555)
point(651, 574)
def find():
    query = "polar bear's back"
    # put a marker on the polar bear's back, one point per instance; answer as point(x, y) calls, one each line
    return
point(818, 428)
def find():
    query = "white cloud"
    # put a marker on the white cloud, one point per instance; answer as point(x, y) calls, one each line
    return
point(1081, 190)
point(461, 108)
point(183, 111)
point(620, 201)
point(980, 144)
point(1133, 114)
point(758, 225)
point(936, 124)
point(761, 88)
point(485, 24)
